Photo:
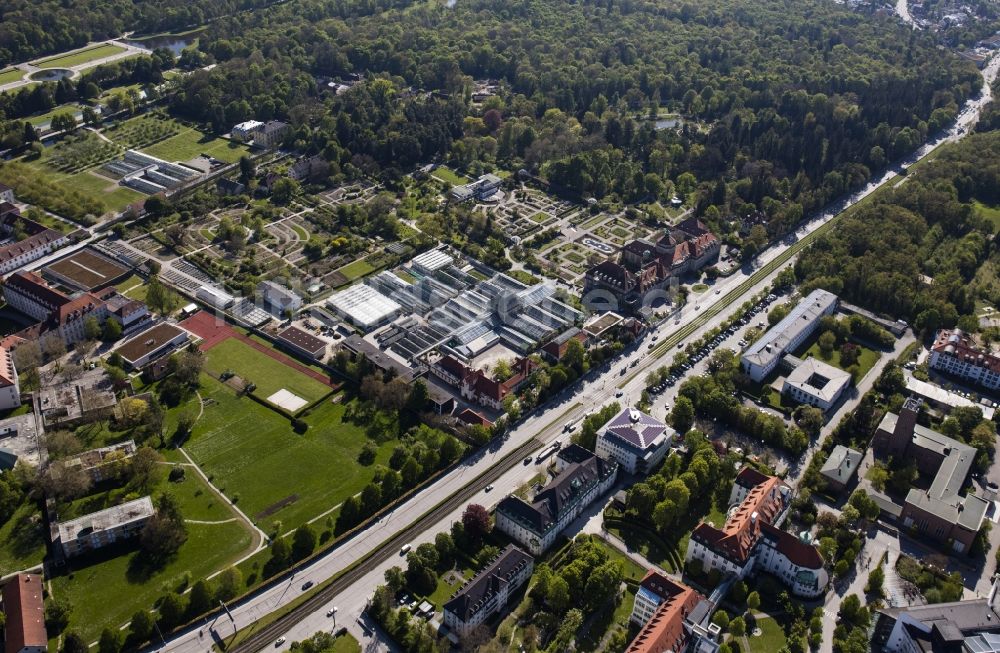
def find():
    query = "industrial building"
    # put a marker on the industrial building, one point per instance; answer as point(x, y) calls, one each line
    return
point(215, 297)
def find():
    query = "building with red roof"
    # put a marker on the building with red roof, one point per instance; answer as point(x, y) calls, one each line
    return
point(23, 605)
point(670, 616)
point(750, 540)
point(954, 352)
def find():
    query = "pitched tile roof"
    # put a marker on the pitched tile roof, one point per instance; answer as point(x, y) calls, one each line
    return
point(23, 605)
point(737, 538)
point(471, 598)
point(665, 630)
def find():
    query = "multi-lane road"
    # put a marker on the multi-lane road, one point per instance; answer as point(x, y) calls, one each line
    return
point(360, 562)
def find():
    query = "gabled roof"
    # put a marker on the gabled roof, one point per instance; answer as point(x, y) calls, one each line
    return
point(30, 283)
point(8, 375)
point(23, 605)
point(471, 598)
point(763, 504)
point(665, 630)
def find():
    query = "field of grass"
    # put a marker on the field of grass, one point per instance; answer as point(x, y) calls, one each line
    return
point(356, 270)
point(253, 454)
point(772, 637)
point(190, 142)
point(300, 232)
point(991, 213)
point(450, 176)
point(80, 57)
point(268, 374)
point(22, 539)
point(11, 75)
point(45, 181)
point(108, 592)
point(43, 118)
point(866, 359)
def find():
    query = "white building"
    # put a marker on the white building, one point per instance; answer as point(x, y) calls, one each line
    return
point(32, 248)
point(635, 440)
point(479, 189)
point(969, 626)
point(750, 541)
point(363, 306)
point(105, 527)
point(10, 388)
point(278, 298)
point(246, 131)
point(536, 525)
point(815, 383)
point(488, 591)
point(762, 357)
point(215, 297)
point(6, 193)
point(151, 344)
point(431, 261)
point(957, 354)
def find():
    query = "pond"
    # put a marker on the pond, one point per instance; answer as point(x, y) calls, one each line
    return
point(51, 74)
point(173, 42)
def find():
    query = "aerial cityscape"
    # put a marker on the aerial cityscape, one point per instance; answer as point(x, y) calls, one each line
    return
point(427, 326)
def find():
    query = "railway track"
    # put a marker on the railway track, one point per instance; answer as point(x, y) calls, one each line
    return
point(269, 633)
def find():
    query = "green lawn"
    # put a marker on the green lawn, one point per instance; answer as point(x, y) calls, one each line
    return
point(43, 118)
point(300, 232)
point(450, 176)
point(444, 590)
point(22, 539)
point(11, 75)
point(190, 143)
point(771, 639)
point(699, 288)
point(356, 270)
point(80, 56)
point(345, 644)
point(88, 183)
point(539, 217)
point(268, 374)
point(991, 213)
point(252, 452)
point(107, 593)
point(866, 359)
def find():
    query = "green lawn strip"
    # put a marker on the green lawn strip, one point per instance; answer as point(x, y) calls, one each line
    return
point(267, 373)
point(448, 175)
point(252, 453)
point(22, 539)
point(302, 233)
point(190, 143)
point(991, 213)
point(108, 592)
point(771, 639)
point(346, 643)
point(80, 57)
point(11, 75)
point(43, 118)
point(47, 220)
point(133, 280)
point(356, 269)
point(445, 590)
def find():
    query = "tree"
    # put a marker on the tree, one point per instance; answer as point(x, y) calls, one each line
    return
point(57, 612)
point(165, 532)
point(753, 601)
point(395, 579)
point(111, 641)
point(140, 627)
point(558, 598)
point(112, 330)
point(73, 643)
point(737, 627)
point(199, 599)
point(827, 341)
point(171, 611)
point(230, 584)
point(368, 453)
point(146, 469)
point(186, 366)
point(91, 328)
point(682, 415)
point(54, 348)
point(476, 520)
point(721, 619)
point(303, 542)
point(876, 578)
point(248, 169)
point(28, 355)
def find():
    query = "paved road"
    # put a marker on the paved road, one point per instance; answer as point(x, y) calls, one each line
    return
point(545, 426)
point(28, 68)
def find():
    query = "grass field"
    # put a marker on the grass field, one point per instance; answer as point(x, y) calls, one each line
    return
point(991, 213)
point(80, 57)
point(300, 232)
point(269, 375)
point(771, 639)
point(866, 360)
point(107, 592)
point(252, 453)
point(43, 118)
point(11, 75)
point(190, 142)
point(22, 539)
point(450, 176)
point(101, 189)
point(356, 270)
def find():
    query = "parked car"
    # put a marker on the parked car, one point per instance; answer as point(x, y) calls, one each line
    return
point(306, 585)
point(278, 642)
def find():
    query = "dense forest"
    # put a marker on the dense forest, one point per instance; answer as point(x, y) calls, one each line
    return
point(789, 104)
point(29, 28)
point(925, 251)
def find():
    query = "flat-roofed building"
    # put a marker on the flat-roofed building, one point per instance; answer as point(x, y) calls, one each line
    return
point(23, 606)
point(278, 298)
point(431, 261)
point(635, 440)
point(817, 384)
point(99, 464)
point(151, 344)
point(303, 343)
point(967, 626)
point(762, 357)
point(363, 306)
point(215, 297)
point(942, 399)
point(105, 527)
point(488, 592)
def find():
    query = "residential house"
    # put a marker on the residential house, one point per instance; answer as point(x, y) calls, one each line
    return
point(24, 608)
point(246, 131)
point(102, 528)
point(272, 133)
point(477, 386)
point(762, 357)
point(839, 469)
point(955, 353)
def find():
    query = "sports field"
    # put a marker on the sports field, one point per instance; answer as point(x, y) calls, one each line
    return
point(268, 374)
point(275, 474)
point(79, 57)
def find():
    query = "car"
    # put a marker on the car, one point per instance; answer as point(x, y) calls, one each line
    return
point(634, 363)
point(718, 290)
point(527, 461)
point(306, 585)
point(278, 642)
point(569, 427)
point(489, 487)
point(993, 486)
point(406, 549)
point(619, 393)
point(680, 345)
point(651, 345)
point(331, 612)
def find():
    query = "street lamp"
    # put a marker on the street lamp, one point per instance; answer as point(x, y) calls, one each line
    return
point(334, 613)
